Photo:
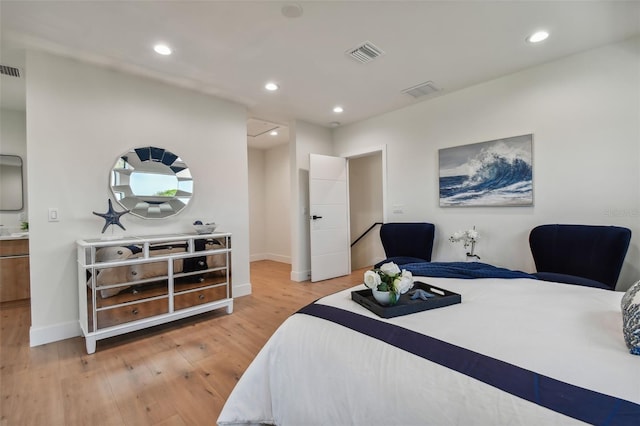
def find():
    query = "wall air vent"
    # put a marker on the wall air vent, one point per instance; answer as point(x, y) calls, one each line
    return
point(10, 71)
point(422, 89)
point(366, 52)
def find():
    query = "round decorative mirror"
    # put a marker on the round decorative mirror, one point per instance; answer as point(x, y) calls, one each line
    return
point(151, 182)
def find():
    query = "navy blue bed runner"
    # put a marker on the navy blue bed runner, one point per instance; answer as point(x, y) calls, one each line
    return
point(582, 404)
point(465, 270)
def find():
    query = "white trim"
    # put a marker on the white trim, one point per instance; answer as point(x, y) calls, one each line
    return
point(346, 166)
point(363, 152)
point(53, 333)
point(270, 256)
point(241, 290)
point(299, 276)
point(368, 151)
point(258, 256)
point(279, 258)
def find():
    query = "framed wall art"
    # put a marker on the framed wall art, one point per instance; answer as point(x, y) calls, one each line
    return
point(492, 173)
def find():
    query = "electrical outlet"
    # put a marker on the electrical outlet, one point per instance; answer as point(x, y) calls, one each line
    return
point(398, 209)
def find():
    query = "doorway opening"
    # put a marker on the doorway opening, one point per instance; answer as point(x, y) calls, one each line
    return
point(366, 207)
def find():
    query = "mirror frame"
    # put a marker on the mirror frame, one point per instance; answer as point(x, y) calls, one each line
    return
point(153, 161)
point(11, 187)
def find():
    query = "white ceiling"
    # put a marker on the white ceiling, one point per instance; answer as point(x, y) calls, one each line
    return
point(232, 48)
point(259, 134)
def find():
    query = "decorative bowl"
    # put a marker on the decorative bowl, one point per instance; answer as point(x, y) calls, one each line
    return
point(206, 228)
point(384, 297)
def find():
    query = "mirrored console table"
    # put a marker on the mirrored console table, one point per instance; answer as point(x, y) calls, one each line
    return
point(137, 282)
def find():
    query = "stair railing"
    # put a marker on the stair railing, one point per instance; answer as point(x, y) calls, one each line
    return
point(365, 233)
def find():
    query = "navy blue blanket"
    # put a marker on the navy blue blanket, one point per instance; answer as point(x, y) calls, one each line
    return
point(465, 270)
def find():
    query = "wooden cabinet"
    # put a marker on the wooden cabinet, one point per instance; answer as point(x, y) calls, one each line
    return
point(138, 282)
point(14, 269)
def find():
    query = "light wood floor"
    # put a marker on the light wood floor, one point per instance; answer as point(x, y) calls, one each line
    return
point(175, 374)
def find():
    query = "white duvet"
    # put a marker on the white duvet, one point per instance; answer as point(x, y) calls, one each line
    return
point(315, 372)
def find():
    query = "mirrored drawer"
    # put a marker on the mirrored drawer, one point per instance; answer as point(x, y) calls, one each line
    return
point(131, 293)
point(134, 312)
point(194, 298)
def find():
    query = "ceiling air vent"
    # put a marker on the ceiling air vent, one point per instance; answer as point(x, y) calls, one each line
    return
point(422, 89)
point(365, 52)
point(10, 71)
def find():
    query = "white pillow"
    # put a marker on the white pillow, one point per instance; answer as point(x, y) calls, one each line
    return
point(630, 305)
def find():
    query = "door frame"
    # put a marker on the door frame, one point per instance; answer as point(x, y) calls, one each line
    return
point(363, 152)
point(300, 208)
point(368, 251)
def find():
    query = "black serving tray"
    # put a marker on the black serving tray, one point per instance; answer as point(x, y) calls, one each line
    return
point(405, 305)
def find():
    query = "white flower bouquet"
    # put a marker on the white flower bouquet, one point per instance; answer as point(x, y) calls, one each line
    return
point(389, 278)
point(469, 238)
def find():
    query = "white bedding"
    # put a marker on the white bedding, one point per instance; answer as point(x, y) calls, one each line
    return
point(315, 372)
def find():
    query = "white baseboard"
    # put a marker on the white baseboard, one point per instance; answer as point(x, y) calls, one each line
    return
point(258, 256)
point(270, 256)
point(53, 333)
point(241, 290)
point(279, 258)
point(300, 276)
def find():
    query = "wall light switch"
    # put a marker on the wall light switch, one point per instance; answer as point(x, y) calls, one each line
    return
point(398, 209)
point(54, 215)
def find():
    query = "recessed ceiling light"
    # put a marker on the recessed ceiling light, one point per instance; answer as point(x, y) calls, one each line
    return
point(274, 133)
point(338, 109)
point(162, 49)
point(291, 10)
point(271, 87)
point(537, 37)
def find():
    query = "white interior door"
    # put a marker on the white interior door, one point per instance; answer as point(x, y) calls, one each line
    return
point(329, 216)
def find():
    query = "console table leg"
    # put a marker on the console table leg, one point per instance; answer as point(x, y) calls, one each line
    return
point(91, 344)
point(230, 307)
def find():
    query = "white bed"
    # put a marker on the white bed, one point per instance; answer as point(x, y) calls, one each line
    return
point(316, 372)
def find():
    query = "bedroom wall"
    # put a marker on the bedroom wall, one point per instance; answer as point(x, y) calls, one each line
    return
point(305, 138)
point(257, 206)
point(80, 118)
point(584, 113)
point(269, 200)
point(277, 202)
point(13, 141)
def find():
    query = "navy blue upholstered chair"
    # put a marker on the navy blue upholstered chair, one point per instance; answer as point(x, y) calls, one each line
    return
point(586, 255)
point(407, 242)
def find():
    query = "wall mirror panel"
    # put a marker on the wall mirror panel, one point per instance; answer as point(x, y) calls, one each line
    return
point(151, 182)
point(11, 187)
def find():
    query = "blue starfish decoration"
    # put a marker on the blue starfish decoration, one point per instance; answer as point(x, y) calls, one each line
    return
point(420, 294)
point(111, 217)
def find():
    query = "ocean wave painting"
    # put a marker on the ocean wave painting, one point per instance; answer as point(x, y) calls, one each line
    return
point(493, 173)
